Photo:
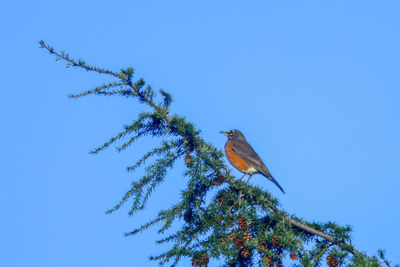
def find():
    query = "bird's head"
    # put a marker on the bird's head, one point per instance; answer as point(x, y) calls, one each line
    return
point(234, 134)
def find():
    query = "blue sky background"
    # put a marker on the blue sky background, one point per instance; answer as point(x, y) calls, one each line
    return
point(313, 85)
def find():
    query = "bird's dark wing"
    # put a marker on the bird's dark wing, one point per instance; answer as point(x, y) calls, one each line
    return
point(246, 152)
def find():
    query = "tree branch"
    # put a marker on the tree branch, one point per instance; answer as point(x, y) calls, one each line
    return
point(316, 232)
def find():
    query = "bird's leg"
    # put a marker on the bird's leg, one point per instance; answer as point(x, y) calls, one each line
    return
point(249, 178)
point(243, 176)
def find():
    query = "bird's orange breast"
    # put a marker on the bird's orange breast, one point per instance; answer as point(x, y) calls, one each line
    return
point(234, 158)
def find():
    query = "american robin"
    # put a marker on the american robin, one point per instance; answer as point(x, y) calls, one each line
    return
point(243, 157)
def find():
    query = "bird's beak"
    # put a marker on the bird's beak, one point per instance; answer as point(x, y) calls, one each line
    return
point(224, 133)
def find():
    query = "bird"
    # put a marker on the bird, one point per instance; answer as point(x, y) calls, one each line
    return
point(243, 157)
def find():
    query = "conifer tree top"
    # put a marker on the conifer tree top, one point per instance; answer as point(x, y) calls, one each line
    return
point(218, 217)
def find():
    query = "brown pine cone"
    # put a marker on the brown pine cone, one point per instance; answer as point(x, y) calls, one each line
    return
point(293, 256)
point(231, 236)
point(269, 261)
point(247, 236)
point(245, 253)
point(188, 160)
point(205, 260)
point(279, 264)
point(275, 241)
point(194, 262)
point(332, 261)
point(242, 223)
point(239, 242)
point(262, 246)
point(221, 200)
point(219, 179)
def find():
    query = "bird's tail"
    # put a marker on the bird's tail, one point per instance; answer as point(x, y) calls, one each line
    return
point(269, 176)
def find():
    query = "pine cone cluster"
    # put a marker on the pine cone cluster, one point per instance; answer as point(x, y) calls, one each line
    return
point(293, 256)
point(275, 241)
point(239, 242)
point(332, 261)
point(247, 236)
point(245, 253)
point(242, 223)
point(219, 179)
point(194, 262)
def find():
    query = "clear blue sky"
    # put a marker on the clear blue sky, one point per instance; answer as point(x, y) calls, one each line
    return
point(313, 85)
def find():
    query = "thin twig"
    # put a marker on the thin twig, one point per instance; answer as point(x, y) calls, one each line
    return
point(320, 254)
